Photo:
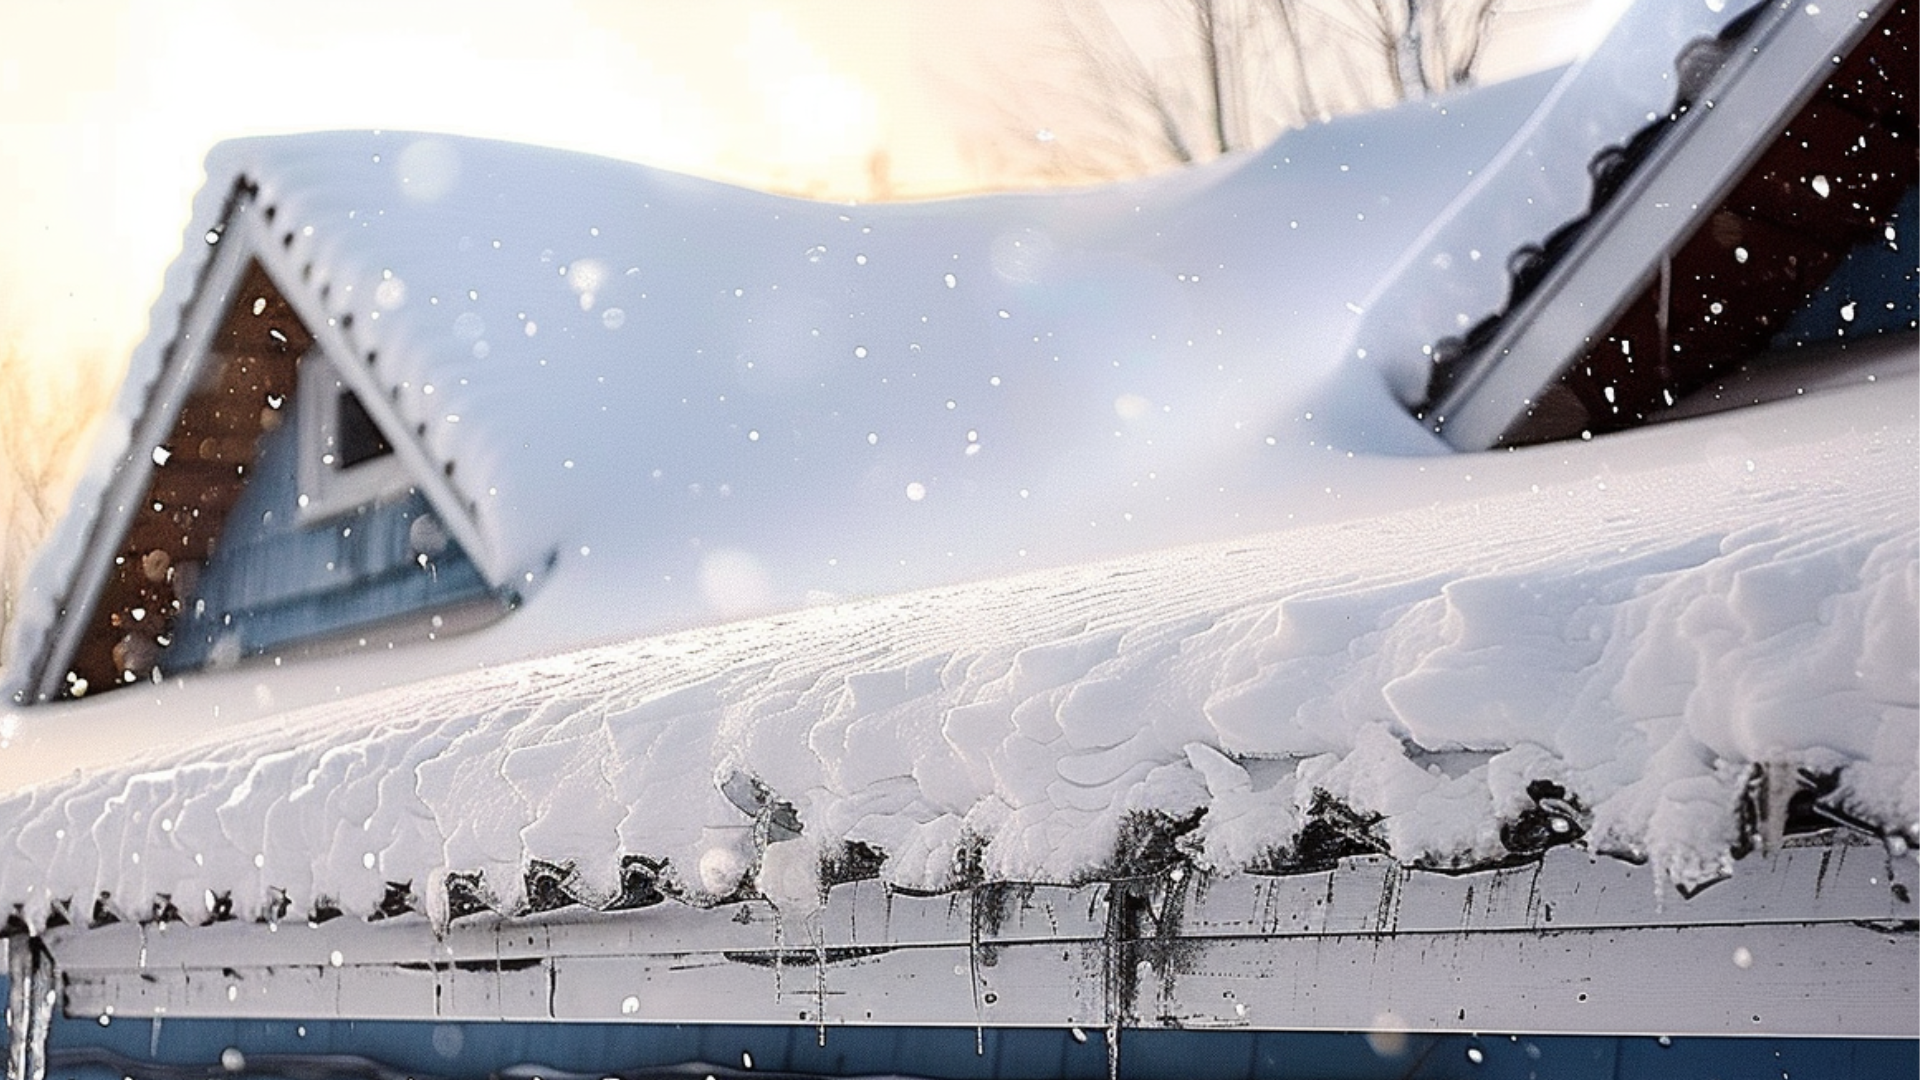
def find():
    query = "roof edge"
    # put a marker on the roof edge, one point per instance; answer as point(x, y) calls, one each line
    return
point(71, 570)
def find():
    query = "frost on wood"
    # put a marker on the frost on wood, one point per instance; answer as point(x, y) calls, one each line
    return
point(1675, 665)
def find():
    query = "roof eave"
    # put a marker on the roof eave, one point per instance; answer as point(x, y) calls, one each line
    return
point(241, 234)
point(1761, 85)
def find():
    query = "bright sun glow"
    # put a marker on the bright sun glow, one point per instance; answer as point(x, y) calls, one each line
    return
point(104, 142)
point(816, 116)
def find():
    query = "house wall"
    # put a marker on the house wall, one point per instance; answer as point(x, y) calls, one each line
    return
point(274, 580)
point(364, 1049)
point(1875, 290)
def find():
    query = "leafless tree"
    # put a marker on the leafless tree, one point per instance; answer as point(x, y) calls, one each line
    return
point(1137, 84)
point(1100, 106)
point(1423, 46)
point(45, 413)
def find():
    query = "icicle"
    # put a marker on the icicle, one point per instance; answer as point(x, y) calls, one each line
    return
point(819, 923)
point(32, 995)
point(48, 995)
point(779, 952)
point(439, 904)
point(1113, 960)
point(973, 971)
point(820, 984)
point(18, 1009)
point(1664, 311)
point(1774, 788)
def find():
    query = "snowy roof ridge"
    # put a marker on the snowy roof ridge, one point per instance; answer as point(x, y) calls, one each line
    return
point(1631, 650)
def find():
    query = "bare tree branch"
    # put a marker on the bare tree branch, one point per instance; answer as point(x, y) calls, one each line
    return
point(1290, 30)
point(1152, 82)
point(45, 413)
point(1207, 30)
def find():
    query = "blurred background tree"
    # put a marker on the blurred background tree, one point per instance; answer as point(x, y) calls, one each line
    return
point(1131, 86)
point(46, 413)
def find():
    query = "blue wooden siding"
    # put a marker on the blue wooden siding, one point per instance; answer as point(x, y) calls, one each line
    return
point(179, 1049)
point(1875, 282)
point(274, 581)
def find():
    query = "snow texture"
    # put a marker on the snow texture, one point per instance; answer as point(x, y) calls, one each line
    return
point(1047, 518)
point(651, 368)
point(1640, 620)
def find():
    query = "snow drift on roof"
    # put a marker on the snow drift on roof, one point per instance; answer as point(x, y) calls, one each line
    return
point(1623, 637)
point(609, 359)
point(701, 400)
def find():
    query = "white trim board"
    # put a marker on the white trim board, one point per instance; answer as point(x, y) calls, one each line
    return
point(243, 237)
point(326, 489)
point(1813, 940)
point(119, 502)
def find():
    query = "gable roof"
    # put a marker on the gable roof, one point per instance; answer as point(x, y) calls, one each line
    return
point(1782, 138)
point(229, 376)
point(594, 368)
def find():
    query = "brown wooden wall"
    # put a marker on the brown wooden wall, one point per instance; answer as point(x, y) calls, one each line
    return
point(245, 389)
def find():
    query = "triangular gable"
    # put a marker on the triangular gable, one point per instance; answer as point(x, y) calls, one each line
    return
point(1790, 143)
point(251, 356)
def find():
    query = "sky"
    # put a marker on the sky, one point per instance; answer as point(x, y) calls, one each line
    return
point(107, 110)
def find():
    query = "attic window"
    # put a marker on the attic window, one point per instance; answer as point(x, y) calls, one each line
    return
point(358, 439)
point(217, 531)
point(346, 460)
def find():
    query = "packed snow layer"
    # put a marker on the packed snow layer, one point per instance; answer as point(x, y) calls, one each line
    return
point(675, 402)
point(1640, 619)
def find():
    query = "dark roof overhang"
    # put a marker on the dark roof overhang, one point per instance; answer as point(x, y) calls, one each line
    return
point(1709, 229)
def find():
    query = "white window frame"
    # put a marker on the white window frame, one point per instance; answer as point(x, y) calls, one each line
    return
point(327, 490)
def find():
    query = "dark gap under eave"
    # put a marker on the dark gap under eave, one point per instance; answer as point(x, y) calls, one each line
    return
point(1763, 253)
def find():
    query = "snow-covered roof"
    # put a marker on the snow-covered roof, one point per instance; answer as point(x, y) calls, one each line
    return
point(617, 364)
point(1641, 622)
point(671, 401)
